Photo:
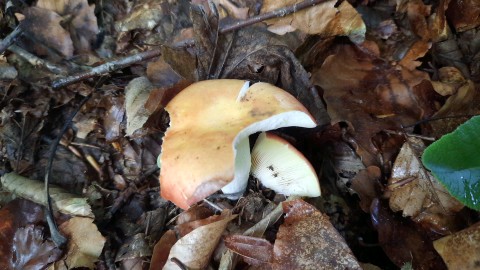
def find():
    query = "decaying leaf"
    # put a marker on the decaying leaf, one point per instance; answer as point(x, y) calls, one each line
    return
point(136, 95)
point(367, 185)
point(143, 16)
point(370, 94)
point(82, 26)
point(85, 244)
point(195, 248)
point(31, 250)
point(229, 259)
point(413, 188)
point(162, 250)
point(461, 250)
point(462, 100)
point(464, 14)
point(307, 240)
point(15, 215)
point(33, 190)
point(415, 191)
point(255, 251)
point(402, 241)
point(44, 25)
point(324, 19)
point(134, 248)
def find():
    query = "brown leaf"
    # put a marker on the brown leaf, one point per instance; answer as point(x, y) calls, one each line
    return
point(82, 26)
point(463, 101)
point(416, 192)
point(402, 241)
point(162, 250)
point(464, 14)
point(255, 251)
point(325, 19)
point(367, 185)
point(14, 215)
point(307, 240)
point(193, 213)
point(462, 249)
point(194, 249)
point(31, 250)
point(44, 26)
point(369, 93)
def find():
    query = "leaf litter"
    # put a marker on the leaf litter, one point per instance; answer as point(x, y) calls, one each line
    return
point(381, 78)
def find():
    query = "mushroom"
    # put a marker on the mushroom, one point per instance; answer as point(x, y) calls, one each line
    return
point(281, 167)
point(206, 147)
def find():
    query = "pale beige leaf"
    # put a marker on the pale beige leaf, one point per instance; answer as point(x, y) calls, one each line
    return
point(195, 249)
point(323, 19)
point(461, 250)
point(136, 95)
point(145, 16)
point(85, 244)
point(33, 190)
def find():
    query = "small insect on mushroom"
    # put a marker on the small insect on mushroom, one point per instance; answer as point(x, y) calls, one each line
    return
point(282, 168)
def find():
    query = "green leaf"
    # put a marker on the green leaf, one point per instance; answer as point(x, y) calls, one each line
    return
point(455, 161)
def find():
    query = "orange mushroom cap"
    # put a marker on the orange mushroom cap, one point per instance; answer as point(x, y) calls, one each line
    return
point(206, 147)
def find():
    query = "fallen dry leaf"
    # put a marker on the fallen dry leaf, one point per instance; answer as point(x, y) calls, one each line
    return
point(82, 26)
point(416, 192)
point(402, 241)
point(162, 250)
point(144, 16)
point(136, 95)
point(85, 244)
point(370, 94)
point(44, 25)
point(461, 250)
point(62, 200)
point(464, 15)
point(307, 240)
point(13, 216)
point(367, 185)
point(195, 248)
point(325, 19)
point(255, 251)
point(463, 100)
point(31, 250)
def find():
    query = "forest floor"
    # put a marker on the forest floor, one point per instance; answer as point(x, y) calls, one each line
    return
point(85, 87)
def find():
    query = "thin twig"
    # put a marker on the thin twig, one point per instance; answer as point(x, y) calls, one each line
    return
point(10, 39)
point(281, 12)
point(57, 237)
point(35, 60)
point(439, 118)
point(107, 67)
